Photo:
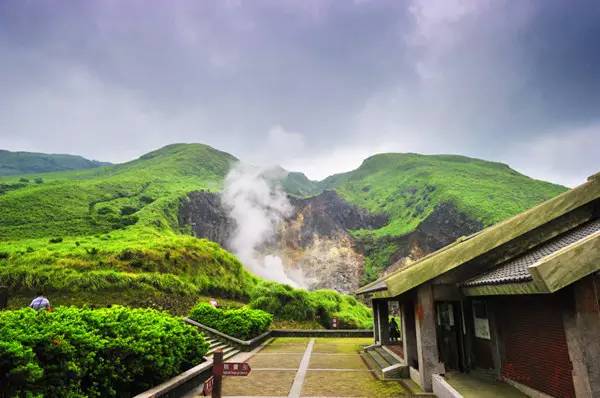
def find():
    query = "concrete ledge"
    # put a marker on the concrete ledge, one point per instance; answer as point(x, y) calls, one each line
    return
point(243, 345)
point(442, 389)
point(322, 333)
point(175, 387)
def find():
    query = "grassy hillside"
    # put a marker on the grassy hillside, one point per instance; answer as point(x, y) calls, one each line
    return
point(408, 186)
point(143, 192)
point(13, 163)
point(298, 184)
point(111, 235)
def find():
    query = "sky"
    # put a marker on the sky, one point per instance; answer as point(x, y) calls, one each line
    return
point(315, 86)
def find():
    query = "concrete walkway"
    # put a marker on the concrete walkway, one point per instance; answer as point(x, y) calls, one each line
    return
point(309, 367)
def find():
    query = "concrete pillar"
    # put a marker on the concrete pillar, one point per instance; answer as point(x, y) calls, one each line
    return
point(410, 337)
point(427, 350)
point(582, 328)
point(375, 305)
point(382, 321)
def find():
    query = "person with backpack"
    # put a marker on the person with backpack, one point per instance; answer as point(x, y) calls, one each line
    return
point(40, 302)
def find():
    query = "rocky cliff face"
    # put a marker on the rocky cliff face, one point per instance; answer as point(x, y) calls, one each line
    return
point(204, 212)
point(316, 238)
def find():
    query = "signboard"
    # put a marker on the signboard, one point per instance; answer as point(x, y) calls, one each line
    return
point(481, 322)
point(236, 369)
point(208, 386)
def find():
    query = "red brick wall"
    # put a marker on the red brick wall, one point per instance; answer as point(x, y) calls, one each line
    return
point(534, 345)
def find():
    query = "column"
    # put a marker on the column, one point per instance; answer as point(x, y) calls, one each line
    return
point(427, 350)
point(375, 305)
point(582, 328)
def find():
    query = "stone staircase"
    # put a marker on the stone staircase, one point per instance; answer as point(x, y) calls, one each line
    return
point(215, 344)
point(385, 365)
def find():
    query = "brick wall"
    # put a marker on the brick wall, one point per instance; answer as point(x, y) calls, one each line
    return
point(534, 347)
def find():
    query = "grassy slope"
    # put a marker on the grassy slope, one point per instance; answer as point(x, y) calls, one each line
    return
point(110, 235)
point(408, 187)
point(13, 163)
point(105, 249)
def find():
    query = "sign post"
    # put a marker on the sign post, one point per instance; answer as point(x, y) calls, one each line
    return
point(217, 377)
point(213, 385)
point(334, 323)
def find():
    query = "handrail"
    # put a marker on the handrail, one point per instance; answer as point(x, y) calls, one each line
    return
point(246, 343)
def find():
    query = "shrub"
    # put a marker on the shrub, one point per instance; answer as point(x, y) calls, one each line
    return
point(57, 239)
point(38, 180)
point(289, 304)
point(105, 210)
point(128, 210)
point(4, 255)
point(23, 179)
point(106, 352)
point(243, 323)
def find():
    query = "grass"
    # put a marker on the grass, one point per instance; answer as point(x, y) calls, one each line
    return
point(407, 187)
point(111, 234)
point(14, 163)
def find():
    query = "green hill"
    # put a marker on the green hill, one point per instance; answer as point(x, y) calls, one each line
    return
point(407, 187)
point(92, 201)
point(14, 163)
point(111, 235)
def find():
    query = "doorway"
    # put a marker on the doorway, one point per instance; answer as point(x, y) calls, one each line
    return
point(449, 336)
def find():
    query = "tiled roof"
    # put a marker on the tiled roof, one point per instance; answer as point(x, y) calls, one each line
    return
point(515, 270)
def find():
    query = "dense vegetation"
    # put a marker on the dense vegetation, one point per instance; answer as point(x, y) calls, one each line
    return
point(244, 323)
point(111, 234)
point(13, 163)
point(80, 352)
point(321, 306)
point(408, 187)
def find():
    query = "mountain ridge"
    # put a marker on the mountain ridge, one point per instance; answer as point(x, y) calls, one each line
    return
point(147, 196)
point(22, 162)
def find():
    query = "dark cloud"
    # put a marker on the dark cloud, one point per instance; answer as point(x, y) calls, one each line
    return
point(515, 82)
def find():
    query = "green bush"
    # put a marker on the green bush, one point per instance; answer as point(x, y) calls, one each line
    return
point(128, 210)
point(58, 239)
point(243, 323)
point(289, 304)
point(109, 352)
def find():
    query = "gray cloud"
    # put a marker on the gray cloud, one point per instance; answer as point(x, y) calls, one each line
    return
point(514, 82)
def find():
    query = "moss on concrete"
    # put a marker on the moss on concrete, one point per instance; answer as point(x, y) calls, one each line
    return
point(338, 361)
point(349, 384)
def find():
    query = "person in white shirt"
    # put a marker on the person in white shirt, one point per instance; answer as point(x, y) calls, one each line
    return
point(40, 302)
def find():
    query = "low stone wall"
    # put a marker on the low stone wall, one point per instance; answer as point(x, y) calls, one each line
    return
point(181, 384)
point(242, 345)
point(322, 333)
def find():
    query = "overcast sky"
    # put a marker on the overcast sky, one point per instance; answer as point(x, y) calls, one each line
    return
point(315, 86)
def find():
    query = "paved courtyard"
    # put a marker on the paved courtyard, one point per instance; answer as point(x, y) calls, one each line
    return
point(310, 367)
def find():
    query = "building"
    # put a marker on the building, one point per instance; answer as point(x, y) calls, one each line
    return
point(516, 302)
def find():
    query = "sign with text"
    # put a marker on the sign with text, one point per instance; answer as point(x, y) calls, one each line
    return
point(236, 369)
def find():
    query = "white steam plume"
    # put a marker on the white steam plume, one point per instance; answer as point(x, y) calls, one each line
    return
point(257, 205)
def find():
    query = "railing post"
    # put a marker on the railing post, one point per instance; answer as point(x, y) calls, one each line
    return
point(217, 373)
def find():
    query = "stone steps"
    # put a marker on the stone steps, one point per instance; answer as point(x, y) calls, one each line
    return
point(384, 365)
point(215, 344)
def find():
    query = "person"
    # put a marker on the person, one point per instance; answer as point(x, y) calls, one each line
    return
point(40, 302)
point(214, 302)
point(394, 333)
